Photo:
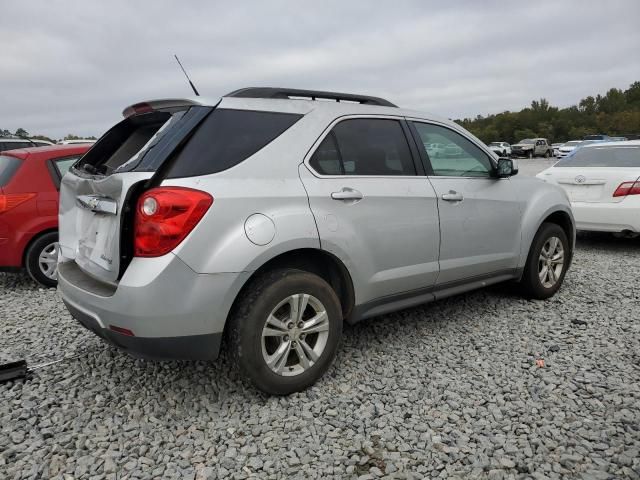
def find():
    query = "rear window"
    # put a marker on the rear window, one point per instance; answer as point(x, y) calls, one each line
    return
point(121, 144)
point(8, 166)
point(623, 156)
point(226, 138)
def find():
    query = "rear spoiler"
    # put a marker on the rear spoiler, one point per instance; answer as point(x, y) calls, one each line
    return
point(152, 105)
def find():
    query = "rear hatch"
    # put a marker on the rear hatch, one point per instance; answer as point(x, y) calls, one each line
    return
point(97, 193)
point(594, 174)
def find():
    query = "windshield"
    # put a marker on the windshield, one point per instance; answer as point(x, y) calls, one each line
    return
point(527, 141)
point(495, 144)
point(572, 143)
point(606, 156)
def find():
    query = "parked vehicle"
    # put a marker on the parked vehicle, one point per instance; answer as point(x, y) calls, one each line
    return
point(452, 150)
point(435, 149)
point(13, 143)
point(532, 147)
point(502, 149)
point(556, 148)
point(273, 220)
point(602, 180)
point(29, 182)
point(599, 137)
point(567, 148)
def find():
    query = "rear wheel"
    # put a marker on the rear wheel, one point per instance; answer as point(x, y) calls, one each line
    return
point(41, 259)
point(285, 331)
point(547, 262)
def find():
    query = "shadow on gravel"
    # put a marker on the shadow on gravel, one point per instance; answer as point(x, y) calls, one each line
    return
point(605, 241)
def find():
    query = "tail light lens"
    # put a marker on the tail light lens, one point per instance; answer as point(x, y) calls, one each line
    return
point(12, 200)
point(627, 188)
point(165, 216)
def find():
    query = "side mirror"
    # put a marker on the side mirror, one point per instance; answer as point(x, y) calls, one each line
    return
point(506, 167)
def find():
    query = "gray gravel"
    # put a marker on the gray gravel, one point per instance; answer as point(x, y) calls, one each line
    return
point(447, 390)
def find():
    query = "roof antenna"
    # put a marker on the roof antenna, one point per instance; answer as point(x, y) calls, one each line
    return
point(185, 74)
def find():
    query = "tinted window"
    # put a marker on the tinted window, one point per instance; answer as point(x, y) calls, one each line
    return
point(14, 145)
point(368, 146)
point(228, 137)
point(326, 159)
point(459, 158)
point(627, 156)
point(8, 166)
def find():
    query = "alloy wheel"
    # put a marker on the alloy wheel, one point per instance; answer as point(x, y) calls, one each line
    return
point(295, 334)
point(551, 262)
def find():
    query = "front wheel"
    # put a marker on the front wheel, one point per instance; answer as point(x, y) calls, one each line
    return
point(547, 262)
point(546, 154)
point(530, 155)
point(41, 260)
point(285, 331)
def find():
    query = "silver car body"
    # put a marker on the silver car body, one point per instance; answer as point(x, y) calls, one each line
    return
point(399, 241)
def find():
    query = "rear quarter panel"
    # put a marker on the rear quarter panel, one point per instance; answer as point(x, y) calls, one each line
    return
point(20, 225)
point(267, 183)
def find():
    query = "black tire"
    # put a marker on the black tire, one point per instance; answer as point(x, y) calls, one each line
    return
point(546, 154)
point(530, 154)
point(531, 286)
point(249, 318)
point(32, 259)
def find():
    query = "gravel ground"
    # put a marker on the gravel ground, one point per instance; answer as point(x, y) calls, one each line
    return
point(449, 390)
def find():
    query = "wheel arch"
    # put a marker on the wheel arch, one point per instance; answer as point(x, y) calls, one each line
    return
point(314, 260)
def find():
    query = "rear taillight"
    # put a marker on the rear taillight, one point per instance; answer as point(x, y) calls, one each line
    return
point(12, 200)
point(627, 188)
point(165, 216)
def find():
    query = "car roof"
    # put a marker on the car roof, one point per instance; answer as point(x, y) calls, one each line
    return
point(302, 102)
point(628, 143)
point(47, 152)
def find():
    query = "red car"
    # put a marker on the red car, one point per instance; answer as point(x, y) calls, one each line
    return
point(29, 183)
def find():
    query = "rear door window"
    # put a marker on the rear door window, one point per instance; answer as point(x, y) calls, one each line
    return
point(364, 147)
point(8, 166)
point(226, 138)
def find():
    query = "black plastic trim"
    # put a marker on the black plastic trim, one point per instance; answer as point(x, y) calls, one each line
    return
point(286, 93)
point(412, 298)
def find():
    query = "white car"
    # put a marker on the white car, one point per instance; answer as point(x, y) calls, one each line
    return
point(602, 181)
point(435, 150)
point(556, 147)
point(566, 148)
point(502, 149)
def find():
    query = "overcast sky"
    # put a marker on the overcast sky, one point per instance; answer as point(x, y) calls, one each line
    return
point(71, 67)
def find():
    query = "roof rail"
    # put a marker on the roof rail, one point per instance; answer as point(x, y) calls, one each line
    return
point(272, 92)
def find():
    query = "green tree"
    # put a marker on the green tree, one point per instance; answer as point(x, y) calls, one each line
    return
point(21, 132)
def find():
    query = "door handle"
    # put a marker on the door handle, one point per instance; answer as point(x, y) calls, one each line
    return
point(347, 194)
point(452, 196)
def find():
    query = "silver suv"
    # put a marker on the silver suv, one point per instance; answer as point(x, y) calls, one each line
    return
point(271, 216)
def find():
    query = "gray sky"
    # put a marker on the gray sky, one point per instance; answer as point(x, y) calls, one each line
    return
point(71, 67)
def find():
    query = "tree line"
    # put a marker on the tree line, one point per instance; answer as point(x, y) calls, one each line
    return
point(616, 113)
point(22, 133)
